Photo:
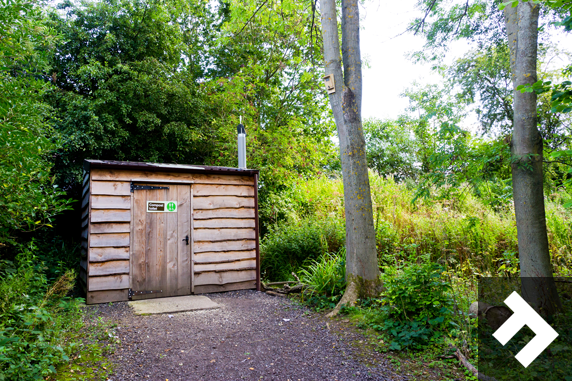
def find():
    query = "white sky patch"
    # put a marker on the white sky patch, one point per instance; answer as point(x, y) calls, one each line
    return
point(390, 72)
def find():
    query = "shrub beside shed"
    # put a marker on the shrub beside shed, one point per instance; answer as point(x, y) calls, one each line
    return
point(157, 230)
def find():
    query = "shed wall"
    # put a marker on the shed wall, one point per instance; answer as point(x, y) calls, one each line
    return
point(224, 235)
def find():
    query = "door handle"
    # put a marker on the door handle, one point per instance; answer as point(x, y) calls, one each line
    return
point(186, 239)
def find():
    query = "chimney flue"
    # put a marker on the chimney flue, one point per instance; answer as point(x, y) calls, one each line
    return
point(241, 146)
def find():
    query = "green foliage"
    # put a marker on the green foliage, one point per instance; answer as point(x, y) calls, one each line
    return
point(461, 230)
point(391, 148)
point(126, 85)
point(326, 275)
point(288, 245)
point(42, 329)
point(168, 81)
point(33, 320)
point(416, 304)
point(28, 199)
point(418, 309)
point(325, 280)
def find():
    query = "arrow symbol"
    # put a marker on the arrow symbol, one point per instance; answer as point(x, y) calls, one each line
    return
point(523, 315)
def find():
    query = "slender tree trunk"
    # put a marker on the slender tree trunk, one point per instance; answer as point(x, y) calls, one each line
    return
point(527, 159)
point(361, 256)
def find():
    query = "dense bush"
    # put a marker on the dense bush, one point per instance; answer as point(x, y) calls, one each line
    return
point(416, 305)
point(288, 245)
point(34, 319)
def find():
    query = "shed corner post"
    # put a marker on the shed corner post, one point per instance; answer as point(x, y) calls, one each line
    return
point(257, 228)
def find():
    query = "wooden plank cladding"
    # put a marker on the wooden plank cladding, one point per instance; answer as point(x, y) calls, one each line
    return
point(85, 200)
point(95, 297)
point(225, 256)
point(218, 202)
point(223, 213)
point(213, 235)
point(218, 267)
point(111, 188)
point(251, 284)
point(111, 282)
point(110, 202)
point(219, 278)
point(208, 244)
point(128, 175)
point(223, 190)
point(110, 228)
point(217, 223)
point(114, 239)
point(201, 247)
point(103, 215)
point(104, 254)
point(108, 268)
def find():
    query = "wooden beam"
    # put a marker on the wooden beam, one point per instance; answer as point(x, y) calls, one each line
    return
point(117, 227)
point(223, 190)
point(129, 175)
point(218, 202)
point(201, 247)
point(223, 213)
point(106, 240)
point(108, 268)
point(212, 278)
point(257, 229)
point(226, 223)
point(111, 282)
point(223, 256)
point(85, 200)
point(219, 267)
point(110, 202)
point(111, 188)
point(104, 254)
point(249, 285)
point(214, 235)
point(96, 297)
point(110, 215)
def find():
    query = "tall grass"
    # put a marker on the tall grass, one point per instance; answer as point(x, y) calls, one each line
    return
point(290, 244)
point(462, 232)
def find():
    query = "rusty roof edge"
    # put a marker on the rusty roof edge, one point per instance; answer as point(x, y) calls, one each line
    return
point(155, 167)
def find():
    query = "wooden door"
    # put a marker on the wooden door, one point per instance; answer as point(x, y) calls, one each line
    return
point(161, 254)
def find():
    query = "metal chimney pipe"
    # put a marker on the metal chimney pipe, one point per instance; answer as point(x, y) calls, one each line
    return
point(241, 146)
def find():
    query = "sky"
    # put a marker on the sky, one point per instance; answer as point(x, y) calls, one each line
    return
point(390, 72)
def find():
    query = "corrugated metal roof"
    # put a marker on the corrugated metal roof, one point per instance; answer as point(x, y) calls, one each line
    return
point(165, 167)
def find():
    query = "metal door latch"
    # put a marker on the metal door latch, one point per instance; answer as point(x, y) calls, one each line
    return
point(135, 187)
point(131, 293)
point(186, 239)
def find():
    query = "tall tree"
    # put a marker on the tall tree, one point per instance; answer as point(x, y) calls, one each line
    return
point(361, 258)
point(527, 158)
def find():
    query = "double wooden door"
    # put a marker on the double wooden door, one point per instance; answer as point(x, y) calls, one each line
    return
point(161, 263)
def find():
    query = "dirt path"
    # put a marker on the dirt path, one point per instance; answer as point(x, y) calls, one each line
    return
point(253, 336)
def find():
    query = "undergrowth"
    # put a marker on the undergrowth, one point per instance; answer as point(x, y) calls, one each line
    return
point(462, 232)
point(41, 327)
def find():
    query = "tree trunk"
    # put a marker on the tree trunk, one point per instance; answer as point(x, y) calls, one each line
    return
point(527, 159)
point(361, 257)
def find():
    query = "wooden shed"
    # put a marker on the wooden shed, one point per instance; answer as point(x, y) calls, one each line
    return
point(157, 230)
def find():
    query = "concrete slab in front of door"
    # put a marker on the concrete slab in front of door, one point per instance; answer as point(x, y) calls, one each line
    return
point(174, 304)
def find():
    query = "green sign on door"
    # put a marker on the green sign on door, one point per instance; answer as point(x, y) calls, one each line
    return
point(161, 206)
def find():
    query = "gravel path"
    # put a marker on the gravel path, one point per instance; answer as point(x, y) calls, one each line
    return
point(253, 336)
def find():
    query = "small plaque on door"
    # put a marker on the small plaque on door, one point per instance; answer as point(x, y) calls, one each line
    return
point(161, 206)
